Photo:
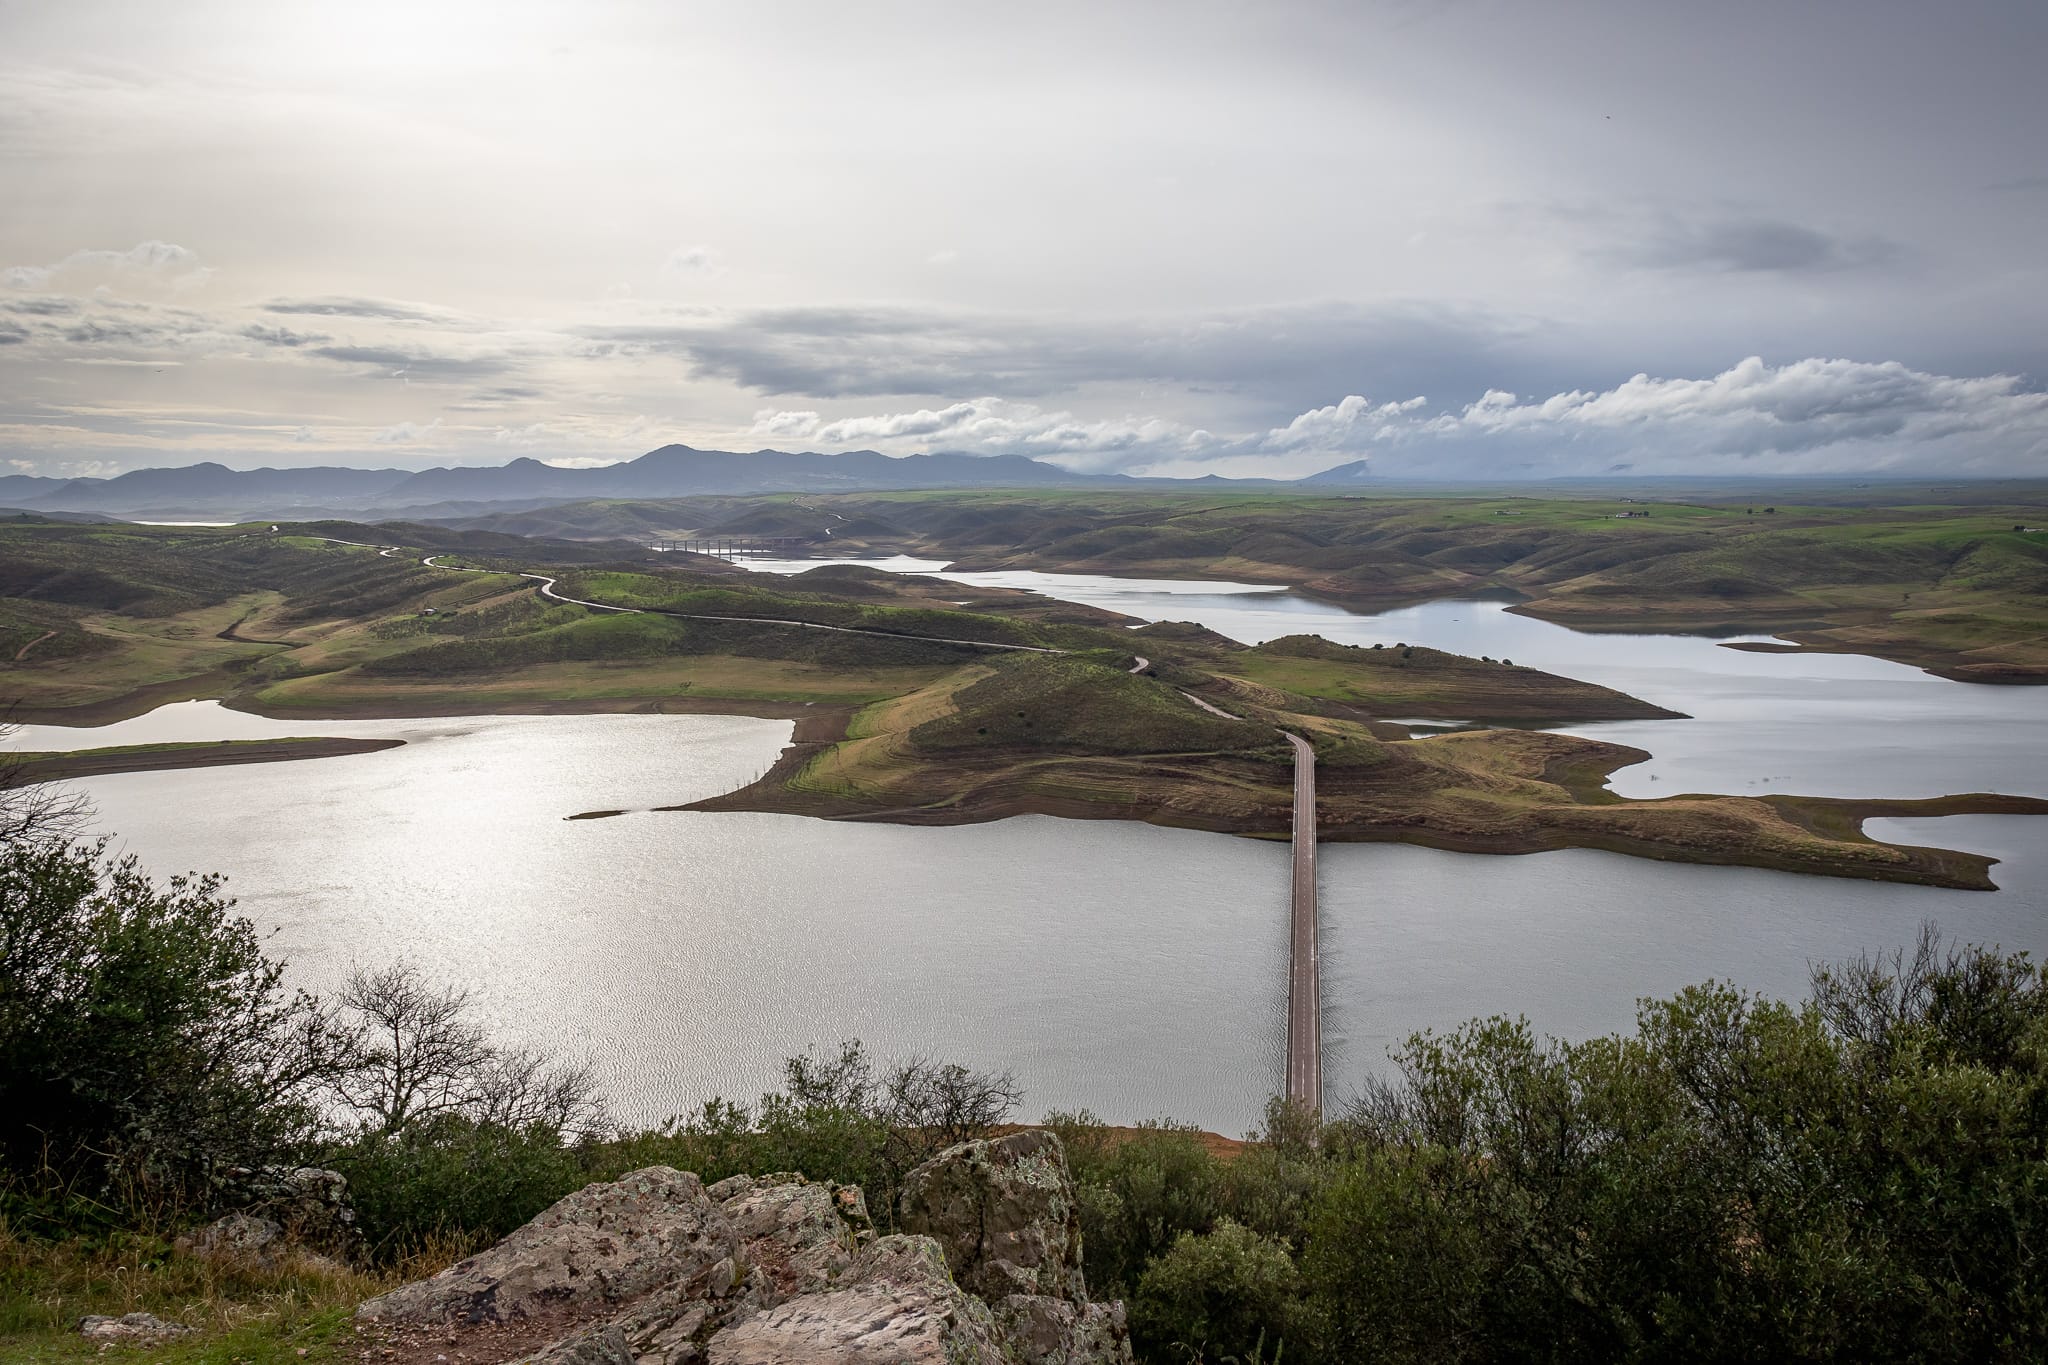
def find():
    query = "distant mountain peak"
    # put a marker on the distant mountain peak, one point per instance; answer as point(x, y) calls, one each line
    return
point(1358, 471)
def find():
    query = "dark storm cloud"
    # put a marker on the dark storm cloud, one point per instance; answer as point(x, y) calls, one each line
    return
point(1755, 244)
point(1288, 356)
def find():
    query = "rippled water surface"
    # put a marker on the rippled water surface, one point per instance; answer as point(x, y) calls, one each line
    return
point(1134, 970)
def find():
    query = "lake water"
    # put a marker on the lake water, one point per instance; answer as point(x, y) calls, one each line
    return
point(1133, 970)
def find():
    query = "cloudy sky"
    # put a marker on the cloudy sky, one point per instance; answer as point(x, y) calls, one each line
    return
point(1467, 237)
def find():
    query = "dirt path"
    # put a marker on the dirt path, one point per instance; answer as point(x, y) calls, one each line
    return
point(22, 653)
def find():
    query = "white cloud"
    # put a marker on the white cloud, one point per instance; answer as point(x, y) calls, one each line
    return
point(405, 433)
point(1814, 415)
point(687, 261)
point(986, 426)
point(1343, 426)
point(151, 264)
point(1753, 408)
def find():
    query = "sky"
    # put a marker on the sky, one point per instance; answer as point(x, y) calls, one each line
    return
point(1461, 238)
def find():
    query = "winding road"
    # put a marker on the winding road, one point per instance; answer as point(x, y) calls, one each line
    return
point(547, 590)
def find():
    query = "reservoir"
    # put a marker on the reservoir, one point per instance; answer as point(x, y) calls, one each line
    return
point(1135, 971)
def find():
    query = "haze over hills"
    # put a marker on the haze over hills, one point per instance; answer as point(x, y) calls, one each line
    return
point(213, 490)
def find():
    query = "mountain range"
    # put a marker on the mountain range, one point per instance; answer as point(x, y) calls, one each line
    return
point(213, 491)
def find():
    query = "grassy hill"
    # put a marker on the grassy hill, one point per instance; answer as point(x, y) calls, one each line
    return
point(1952, 587)
point(911, 706)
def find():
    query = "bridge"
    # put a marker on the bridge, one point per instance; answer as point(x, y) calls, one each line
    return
point(736, 547)
point(1304, 970)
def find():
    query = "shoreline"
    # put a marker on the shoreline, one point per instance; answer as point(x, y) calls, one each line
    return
point(64, 766)
point(1837, 819)
point(818, 726)
point(1804, 627)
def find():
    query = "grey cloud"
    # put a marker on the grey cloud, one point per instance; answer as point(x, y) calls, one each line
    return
point(487, 400)
point(414, 364)
point(1754, 244)
point(94, 332)
point(1283, 356)
point(2026, 184)
point(12, 334)
point(382, 310)
point(282, 336)
point(47, 306)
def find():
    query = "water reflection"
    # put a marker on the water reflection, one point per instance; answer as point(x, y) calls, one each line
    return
point(1133, 970)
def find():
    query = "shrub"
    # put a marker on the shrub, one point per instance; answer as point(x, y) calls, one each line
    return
point(1228, 1293)
point(146, 1042)
point(451, 1178)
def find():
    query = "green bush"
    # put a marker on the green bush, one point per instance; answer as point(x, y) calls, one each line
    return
point(1861, 1178)
point(451, 1178)
point(1225, 1294)
point(1138, 1197)
point(146, 1043)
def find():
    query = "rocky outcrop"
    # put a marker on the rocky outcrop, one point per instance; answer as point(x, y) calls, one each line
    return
point(657, 1269)
point(897, 1302)
point(1004, 1210)
point(280, 1214)
point(602, 1246)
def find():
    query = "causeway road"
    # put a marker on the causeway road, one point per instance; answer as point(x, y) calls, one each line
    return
point(1304, 979)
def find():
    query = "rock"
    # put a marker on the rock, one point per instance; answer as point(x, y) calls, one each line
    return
point(237, 1237)
point(793, 1232)
point(137, 1328)
point(310, 1205)
point(607, 1346)
point(652, 1270)
point(730, 1187)
point(895, 1305)
point(605, 1245)
point(1045, 1331)
point(1004, 1210)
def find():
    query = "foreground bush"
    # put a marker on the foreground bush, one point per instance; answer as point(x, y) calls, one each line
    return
point(146, 1043)
point(1861, 1178)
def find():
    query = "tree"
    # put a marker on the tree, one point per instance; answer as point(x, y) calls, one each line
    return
point(30, 809)
point(416, 1054)
point(146, 1041)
